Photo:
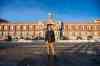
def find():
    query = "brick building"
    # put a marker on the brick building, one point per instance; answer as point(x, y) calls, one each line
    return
point(31, 30)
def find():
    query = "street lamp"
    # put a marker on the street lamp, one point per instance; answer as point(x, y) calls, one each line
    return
point(61, 30)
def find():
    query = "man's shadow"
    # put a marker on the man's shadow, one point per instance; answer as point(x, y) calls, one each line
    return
point(46, 60)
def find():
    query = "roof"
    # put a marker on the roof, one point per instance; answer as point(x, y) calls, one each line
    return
point(3, 21)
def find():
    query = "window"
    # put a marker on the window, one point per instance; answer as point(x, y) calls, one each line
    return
point(73, 27)
point(24, 27)
point(0, 27)
point(5, 33)
point(18, 33)
point(85, 27)
point(80, 27)
point(98, 27)
point(30, 27)
point(11, 27)
point(30, 33)
point(70, 33)
point(0, 33)
point(33, 27)
point(18, 27)
point(5, 27)
point(73, 33)
point(66, 27)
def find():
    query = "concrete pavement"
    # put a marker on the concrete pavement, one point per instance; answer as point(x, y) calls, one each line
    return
point(67, 53)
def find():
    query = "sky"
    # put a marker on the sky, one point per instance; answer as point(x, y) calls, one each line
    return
point(64, 10)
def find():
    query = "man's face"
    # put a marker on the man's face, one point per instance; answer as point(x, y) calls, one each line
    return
point(49, 27)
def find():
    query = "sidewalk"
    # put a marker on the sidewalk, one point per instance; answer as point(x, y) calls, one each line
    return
point(74, 41)
point(43, 41)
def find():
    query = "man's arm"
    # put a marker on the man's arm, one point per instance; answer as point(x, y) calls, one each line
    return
point(53, 35)
point(46, 36)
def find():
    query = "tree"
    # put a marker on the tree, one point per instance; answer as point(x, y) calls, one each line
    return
point(89, 37)
point(79, 37)
point(9, 38)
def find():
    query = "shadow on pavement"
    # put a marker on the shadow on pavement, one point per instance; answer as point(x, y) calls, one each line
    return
point(97, 58)
point(60, 60)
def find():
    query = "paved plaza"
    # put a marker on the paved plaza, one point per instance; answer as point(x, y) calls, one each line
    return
point(35, 54)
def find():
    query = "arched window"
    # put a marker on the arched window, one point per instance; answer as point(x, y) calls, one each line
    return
point(98, 27)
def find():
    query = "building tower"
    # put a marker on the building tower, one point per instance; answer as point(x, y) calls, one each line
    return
point(50, 18)
point(51, 22)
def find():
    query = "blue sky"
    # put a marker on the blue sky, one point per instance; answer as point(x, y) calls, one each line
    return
point(66, 10)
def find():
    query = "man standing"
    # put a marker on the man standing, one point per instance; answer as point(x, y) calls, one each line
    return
point(50, 38)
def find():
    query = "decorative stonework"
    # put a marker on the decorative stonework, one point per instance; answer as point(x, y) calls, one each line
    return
point(71, 31)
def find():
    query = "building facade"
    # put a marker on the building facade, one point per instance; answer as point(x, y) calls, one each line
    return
point(32, 30)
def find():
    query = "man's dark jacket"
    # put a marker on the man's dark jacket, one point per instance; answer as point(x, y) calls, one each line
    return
point(50, 36)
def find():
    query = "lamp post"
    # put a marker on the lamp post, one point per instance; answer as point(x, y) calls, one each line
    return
point(61, 30)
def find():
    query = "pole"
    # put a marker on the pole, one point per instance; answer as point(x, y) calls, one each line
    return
point(61, 30)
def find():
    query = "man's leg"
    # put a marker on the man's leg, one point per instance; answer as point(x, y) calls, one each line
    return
point(52, 48)
point(48, 48)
